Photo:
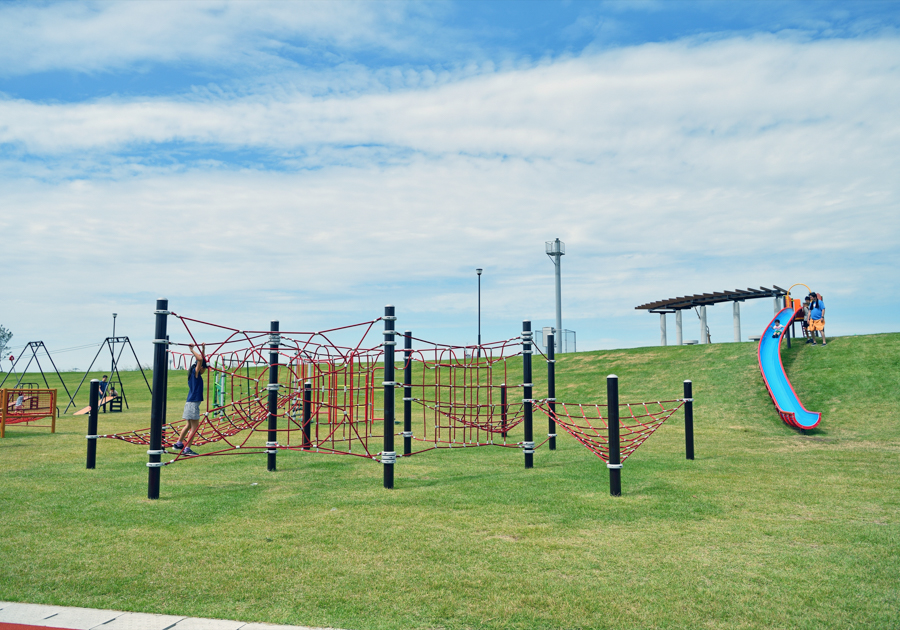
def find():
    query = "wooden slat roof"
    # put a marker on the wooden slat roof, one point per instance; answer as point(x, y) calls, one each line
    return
point(705, 299)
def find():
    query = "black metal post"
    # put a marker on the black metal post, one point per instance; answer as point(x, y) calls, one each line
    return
point(388, 455)
point(615, 461)
point(165, 392)
point(504, 409)
point(407, 393)
point(528, 444)
point(307, 415)
point(158, 398)
point(479, 312)
point(92, 425)
point(272, 436)
point(688, 420)
point(551, 391)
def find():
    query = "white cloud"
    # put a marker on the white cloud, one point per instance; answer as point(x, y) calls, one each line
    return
point(667, 169)
point(102, 36)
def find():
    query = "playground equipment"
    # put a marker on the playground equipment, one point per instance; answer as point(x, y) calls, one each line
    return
point(34, 347)
point(36, 405)
point(788, 404)
point(333, 392)
point(115, 379)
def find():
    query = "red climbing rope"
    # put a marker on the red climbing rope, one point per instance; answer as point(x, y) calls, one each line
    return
point(588, 423)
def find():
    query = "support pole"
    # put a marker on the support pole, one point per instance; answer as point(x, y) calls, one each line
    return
point(307, 415)
point(688, 420)
point(615, 462)
point(551, 393)
point(679, 337)
point(388, 455)
point(662, 330)
point(165, 392)
point(777, 305)
point(158, 397)
point(737, 321)
point(504, 410)
point(528, 444)
point(407, 390)
point(559, 331)
point(92, 425)
point(272, 387)
point(703, 337)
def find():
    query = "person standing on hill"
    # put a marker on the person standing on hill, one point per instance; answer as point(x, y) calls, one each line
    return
point(805, 323)
point(194, 398)
point(817, 318)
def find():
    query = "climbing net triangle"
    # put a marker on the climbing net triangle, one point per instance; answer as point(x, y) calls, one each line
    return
point(589, 424)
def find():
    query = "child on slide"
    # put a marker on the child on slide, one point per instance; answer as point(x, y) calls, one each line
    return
point(776, 329)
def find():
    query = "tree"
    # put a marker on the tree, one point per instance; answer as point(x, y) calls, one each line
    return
point(5, 336)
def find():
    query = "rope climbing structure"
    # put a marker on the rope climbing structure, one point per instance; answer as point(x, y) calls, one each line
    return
point(332, 392)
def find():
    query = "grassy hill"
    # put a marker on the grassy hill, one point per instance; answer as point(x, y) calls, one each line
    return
point(767, 528)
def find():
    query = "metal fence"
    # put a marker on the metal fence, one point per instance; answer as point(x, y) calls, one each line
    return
point(568, 339)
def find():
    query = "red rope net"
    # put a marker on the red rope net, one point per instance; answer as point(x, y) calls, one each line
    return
point(461, 396)
point(589, 423)
point(457, 395)
point(37, 404)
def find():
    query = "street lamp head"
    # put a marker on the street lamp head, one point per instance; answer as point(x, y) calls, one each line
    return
point(114, 315)
point(478, 271)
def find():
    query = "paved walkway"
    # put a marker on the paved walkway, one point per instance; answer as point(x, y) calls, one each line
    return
point(36, 616)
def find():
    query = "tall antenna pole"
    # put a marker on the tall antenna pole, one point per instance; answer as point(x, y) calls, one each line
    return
point(555, 249)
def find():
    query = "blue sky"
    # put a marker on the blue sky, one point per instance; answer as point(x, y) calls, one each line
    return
point(311, 162)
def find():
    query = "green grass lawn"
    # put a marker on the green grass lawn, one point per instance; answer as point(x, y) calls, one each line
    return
point(767, 528)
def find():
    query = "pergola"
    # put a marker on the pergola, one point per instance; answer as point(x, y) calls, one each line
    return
point(700, 301)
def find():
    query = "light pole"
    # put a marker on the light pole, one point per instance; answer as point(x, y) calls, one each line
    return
point(556, 249)
point(112, 367)
point(478, 271)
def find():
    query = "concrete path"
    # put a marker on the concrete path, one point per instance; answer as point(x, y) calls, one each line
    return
point(40, 616)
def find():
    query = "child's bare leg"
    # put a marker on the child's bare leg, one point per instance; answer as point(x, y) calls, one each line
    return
point(184, 431)
point(193, 426)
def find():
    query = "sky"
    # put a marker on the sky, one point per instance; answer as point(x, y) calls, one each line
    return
point(311, 162)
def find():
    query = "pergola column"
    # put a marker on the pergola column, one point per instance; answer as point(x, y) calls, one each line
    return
point(678, 336)
point(703, 325)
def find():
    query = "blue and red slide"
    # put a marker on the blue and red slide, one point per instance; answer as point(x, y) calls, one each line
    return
point(780, 389)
